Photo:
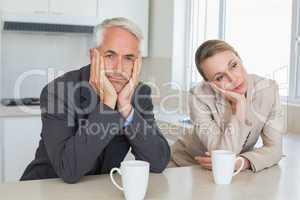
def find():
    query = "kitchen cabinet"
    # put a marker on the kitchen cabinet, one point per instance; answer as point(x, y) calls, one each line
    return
point(91, 11)
point(86, 8)
point(78, 8)
point(24, 6)
point(19, 141)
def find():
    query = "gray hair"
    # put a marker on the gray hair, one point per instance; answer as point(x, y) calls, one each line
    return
point(116, 22)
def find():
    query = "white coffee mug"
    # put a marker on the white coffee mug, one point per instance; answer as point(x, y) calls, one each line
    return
point(135, 175)
point(223, 164)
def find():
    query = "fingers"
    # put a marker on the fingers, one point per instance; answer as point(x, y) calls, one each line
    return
point(204, 160)
point(91, 55)
point(98, 79)
point(94, 72)
point(136, 70)
point(206, 166)
point(100, 70)
point(207, 154)
point(139, 64)
point(97, 69)
point(131, 84)
point(101, 66)
point(93, 67)
point(231, 96)
point(135, 67)
point(216, 88)
point(97, 63)
point(209, 167)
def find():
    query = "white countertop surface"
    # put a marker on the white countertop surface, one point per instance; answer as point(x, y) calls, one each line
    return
point(281, 182)
point(187, 183)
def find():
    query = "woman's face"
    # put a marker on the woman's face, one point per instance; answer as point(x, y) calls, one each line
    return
point(226, 71)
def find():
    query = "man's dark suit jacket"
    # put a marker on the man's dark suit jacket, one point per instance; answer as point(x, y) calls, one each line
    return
point(82, 136)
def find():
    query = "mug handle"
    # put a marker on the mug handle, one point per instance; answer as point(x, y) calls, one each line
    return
point(241, 167)
point(112, 177)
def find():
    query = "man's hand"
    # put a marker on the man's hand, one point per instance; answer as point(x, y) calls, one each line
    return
point(237, 101)
point(100, 82)
point(125, 96)
point(205, 162)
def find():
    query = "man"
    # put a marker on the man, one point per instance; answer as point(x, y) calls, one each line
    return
point(92, 116)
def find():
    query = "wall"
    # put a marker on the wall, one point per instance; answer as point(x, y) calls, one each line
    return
point(158, 68)
point(292, 113)
point(33, 53)
point(160, 42)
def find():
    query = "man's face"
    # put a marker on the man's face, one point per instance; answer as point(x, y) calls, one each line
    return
point(119, 49)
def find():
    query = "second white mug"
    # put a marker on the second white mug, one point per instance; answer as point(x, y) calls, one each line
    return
point(223, 164)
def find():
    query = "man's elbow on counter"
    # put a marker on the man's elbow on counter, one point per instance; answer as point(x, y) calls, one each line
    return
point(68, 176)
point(70, 179)
point(159, 167)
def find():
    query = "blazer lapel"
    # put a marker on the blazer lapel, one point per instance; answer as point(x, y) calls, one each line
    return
point(250, 100)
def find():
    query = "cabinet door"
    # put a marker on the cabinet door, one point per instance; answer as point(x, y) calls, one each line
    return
point(21, 137)
point(135, 10)
point(24, 6)
point(80, 8)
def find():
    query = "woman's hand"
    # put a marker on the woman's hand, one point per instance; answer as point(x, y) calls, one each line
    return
point(237, 101)
point(247, 164)
point(204, 161)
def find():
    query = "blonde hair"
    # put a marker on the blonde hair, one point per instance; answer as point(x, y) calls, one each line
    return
point(116, 22)
point(209, 49)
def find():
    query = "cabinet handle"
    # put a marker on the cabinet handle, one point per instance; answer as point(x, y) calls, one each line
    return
point(40, 12)
point(57, 13)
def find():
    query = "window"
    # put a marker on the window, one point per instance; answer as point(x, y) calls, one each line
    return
point(295, 54)
point(204, 21)
point(259, 30)
point(261, 33)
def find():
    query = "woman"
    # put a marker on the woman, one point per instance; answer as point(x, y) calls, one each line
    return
point(230, 110)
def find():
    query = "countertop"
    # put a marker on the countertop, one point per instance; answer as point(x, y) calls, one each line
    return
point(279, 182)
point(19, 111)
